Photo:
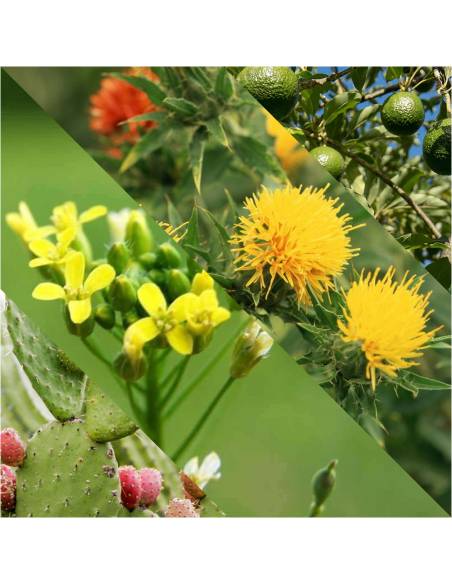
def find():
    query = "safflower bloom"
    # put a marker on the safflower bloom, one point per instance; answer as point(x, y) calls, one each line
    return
point(297, 235)
point(162, 320)
point(388, 319)
point(77, 291)
point(117, 101)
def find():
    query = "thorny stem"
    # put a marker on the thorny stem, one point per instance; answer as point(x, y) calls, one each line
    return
point(202, 420)
point(398, 190)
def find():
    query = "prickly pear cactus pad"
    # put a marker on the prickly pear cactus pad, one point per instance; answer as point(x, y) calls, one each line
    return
point(66, 474)
point(104, 419)
point(59, 382)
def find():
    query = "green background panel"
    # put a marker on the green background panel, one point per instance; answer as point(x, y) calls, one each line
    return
point(273, 429)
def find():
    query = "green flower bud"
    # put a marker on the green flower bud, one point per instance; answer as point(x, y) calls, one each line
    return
point(118, 256)
point(129, 318)
point(122, 293)
point(200, 342)
point(323, 483)
point(148, 260)
point(158, 277)
point(177, 284)
point(129, 368)
point(252, 346)
point(83, 329)
point(138, 234)
point(105, 315)
point(168, 256)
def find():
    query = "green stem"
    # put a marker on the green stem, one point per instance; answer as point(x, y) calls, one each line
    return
point(180, 371)
point(153, 418)
point(200, 377)
point(202, 420)
point(92, 347)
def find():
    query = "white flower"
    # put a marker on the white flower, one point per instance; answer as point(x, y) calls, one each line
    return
point(209, 470)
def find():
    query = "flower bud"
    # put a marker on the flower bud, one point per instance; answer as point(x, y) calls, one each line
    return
point(105, 315)
point(138, 234)
point(118, 256)
point(123, 293)
point(158, 277)
point(83, 329)
point(148, 260)
point(168, 256)
point(128, 367)
point(323, 483)
point(177, 284)
point(129, 318)
point(200, 342)
point(252, 346)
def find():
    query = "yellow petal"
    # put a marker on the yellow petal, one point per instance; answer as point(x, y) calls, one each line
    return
point(183, 306)
point(180, 340)
point(220, 315)
point(75, 271)
point(209, 300)
point(99, 278)
point(16, 223)
point(66, 237)
point(79, 310)
point(48, 291)
point(93, 213)
point(26, 214)
point(151, 298)
point(39, 232)
point(42, 248)
point(202, 281)
point(38, 262)
point(140, 332)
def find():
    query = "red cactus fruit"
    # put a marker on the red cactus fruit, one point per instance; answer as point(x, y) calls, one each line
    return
point(181, 508)
point(130, 487)
point(151, 485)
point(8, 488)
point(12, 449)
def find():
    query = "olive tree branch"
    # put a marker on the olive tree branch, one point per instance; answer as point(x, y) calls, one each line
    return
point(382, 91)
point(442, 87)
point(396, 188)
point(309, 83)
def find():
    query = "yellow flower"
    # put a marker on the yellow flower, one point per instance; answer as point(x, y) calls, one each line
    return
point(66, 216)
point(162, 320)
point(49, 253)
point(202, 312)
point(388, 319)
point(77, 291)
point(296, 235)
point(202, 281)
point(174, 232)
point(24, 224)
point(287, 148)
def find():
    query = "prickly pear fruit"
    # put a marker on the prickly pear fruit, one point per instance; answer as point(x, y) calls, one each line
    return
point(130, 487)
point(181, 508)
point(12, 449)
point(151, 485)
point(8, 488)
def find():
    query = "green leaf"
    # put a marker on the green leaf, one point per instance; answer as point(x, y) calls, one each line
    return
point(340, 104)
point(423, 383)
point(441, 270)
point(151, 116)
point(360, 117)
point(217, 132)
point(393, 73)
point(181, 106)
point(196, 150)
point(223, 84)
point(199, 75)
point(256, 155)
point(152, 90)
point(150, 142)
point(192, 235)
point(359, 76)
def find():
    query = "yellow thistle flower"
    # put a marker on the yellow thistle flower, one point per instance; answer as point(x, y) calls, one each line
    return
point(24, 225)
point(49, 253)
point(77, 291)
point(66, 216)
point(287, 148)
point(174, 232)
point(162, 320)
point(388, 319)
point(295, 234)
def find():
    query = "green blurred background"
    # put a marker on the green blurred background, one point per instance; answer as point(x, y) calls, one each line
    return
point(273, 430)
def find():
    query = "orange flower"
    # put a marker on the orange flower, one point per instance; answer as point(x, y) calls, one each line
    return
point(117, 101)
